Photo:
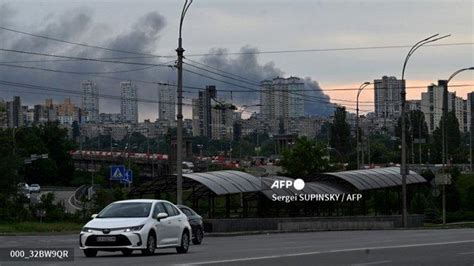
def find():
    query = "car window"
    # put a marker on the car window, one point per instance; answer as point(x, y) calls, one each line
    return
point(158, 208)
point(186, 211)
point(172, 211)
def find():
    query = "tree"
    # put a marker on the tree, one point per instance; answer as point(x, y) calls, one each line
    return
point(304, 159)
point(453, 138)
point(340, 133)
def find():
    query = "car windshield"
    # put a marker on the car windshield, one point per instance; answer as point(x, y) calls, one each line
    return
point(126, 210)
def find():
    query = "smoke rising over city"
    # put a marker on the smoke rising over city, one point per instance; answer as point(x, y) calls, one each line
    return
point(143, 36)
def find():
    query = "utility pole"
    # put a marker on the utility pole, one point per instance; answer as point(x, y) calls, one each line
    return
point(403, 164)
point(444, 137)
point(179, 116)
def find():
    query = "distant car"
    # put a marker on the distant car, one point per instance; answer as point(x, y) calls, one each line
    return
point(139, 224)
point(35, 188)
point(195, 220)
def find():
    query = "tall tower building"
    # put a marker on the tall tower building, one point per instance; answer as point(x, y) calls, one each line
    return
point(90, 102)
point(282, 98)
point(129, 105)
point(432, 104)
point(202, 112)
point(167, 102)
point(387, 97)
point(15, 113)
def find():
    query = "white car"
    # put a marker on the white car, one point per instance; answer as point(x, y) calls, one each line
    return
point(35, 188)
point(140, 224)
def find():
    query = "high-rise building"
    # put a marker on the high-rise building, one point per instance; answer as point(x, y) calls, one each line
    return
point(167, 102)
point(387, 97)
point(68, 112)
point(3, 114)
point(129, 105)
point(15, 113)
point(432, 104)
point(202, 112)
point(90, 102)
point(470, 111)
point(222, 124)
point(282, 98)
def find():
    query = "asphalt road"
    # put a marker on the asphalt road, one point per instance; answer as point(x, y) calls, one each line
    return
point(392, 247)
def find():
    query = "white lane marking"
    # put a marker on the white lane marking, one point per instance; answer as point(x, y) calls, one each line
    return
point(329, 251)
point(466, 253)
point(372, 263)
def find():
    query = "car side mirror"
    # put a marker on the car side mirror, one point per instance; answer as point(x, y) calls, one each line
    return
point(161, 215)
point(94, 215)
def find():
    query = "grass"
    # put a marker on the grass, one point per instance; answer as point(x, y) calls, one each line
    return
point(36, 227)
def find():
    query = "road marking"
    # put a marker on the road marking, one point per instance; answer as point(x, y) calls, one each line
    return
point(329, 251)
point(466, 253)
point(372, 263)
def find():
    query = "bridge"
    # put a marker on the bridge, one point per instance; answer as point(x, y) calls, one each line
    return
point(150, 164)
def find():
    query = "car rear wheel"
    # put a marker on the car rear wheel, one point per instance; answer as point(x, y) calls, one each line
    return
point(127, 252)
point(198, 236)
point(90, 252)
point(184, 243)
point(150, 245)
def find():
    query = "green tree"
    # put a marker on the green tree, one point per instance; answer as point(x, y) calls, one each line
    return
point(340, 133)
point(306, 158)
point(453, 138)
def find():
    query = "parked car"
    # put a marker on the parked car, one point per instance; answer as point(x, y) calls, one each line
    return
point(195, 220)
point(35, 188)
point(141, 224)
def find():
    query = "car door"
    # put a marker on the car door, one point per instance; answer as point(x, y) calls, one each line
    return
point(175, 222)
point(163, 227)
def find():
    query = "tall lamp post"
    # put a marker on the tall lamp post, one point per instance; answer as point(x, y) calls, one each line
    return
point(444, 136)
point(403, 166)
point(179, 116)
point(445, 111)
point(365, 84)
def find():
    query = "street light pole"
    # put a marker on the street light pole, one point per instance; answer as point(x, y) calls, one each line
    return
point(179, 116)
point(444, 136)
point(365, 84)
point(403, 166)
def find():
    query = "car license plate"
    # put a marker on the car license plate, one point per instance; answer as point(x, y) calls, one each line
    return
point(106, 239)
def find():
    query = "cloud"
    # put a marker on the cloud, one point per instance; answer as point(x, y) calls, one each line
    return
point(143, 37)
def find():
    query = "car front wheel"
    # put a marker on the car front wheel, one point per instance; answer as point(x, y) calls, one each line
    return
point(150, 245)
point(90, 252)
point(184, 243)
point(197, 240)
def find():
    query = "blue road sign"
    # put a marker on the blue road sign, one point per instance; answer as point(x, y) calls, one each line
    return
point(128, 175)
point(117, 172)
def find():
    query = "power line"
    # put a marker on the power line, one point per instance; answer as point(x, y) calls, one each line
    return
point(80, 44)
point(223, 75)
point(234, 53)
point(327, 49)
point(220, 70)
point(79, 58)
point(77, 72)
point(54, 89)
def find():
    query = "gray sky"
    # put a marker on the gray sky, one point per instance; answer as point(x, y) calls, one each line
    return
point(284, 25)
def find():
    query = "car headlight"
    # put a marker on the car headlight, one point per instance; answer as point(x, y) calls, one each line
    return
point(86, 229)
point(134, 228)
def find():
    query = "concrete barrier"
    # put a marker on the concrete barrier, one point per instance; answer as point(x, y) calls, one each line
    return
point(310, 223)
